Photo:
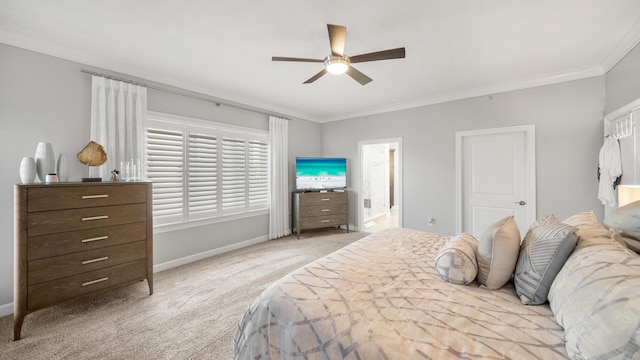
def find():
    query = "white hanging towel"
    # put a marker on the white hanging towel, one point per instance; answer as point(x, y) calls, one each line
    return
point(610, 165)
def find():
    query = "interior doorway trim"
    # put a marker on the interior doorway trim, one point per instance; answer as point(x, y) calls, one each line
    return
point(530, 154)
point(398, 182)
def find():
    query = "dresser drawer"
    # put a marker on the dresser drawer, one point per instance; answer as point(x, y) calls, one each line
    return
point(322, 198)
point(322, 210)
point(73, 197)
point(322, 221)
point(51, 292)
point(60, 266)
point(44, 246)
point(313, 210)
point(75, 238)
point(49, 222)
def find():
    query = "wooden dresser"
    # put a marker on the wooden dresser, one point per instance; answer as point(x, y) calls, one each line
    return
point(75, 238)
point(313, 210)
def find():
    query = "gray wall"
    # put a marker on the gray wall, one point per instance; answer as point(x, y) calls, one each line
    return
point(623, 81)
point(44, 98)
point(623, 87)
point(568, 120)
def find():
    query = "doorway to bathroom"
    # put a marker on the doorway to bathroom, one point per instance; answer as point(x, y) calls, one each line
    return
point(380, 194)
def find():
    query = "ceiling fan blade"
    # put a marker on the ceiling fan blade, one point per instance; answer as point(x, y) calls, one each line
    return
point(279, 58)
point(358, 76)
point(316, 76)
point(337, 35)
point(398, 53)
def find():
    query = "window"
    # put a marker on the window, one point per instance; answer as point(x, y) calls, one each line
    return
point(202, 170)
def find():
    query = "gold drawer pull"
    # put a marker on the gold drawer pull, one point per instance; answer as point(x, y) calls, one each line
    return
point(85, 262)
point(327, 199)
point(101, 217)
point(325, 221)
point(325, 210)
point(95, 239)
point(95, 196)
point(95, 281)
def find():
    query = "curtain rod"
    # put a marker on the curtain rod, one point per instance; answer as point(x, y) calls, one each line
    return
point(216, 102)
point(112, 77)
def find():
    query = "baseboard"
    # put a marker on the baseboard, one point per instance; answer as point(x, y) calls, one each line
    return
point(209, 253)
point(7, 309)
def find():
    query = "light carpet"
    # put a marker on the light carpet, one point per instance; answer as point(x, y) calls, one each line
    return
point(192, 314)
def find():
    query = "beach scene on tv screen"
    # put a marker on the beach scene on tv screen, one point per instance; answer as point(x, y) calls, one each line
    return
point(325, 173)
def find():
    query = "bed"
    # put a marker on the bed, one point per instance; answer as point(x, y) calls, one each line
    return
point(382, 298)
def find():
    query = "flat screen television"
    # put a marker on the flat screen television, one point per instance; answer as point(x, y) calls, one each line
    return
point(321, 173)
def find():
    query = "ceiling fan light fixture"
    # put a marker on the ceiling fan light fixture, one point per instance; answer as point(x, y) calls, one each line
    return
point(337, 64)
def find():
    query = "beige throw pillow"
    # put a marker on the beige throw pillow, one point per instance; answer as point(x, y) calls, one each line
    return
point(498, 250)
point(584, 218)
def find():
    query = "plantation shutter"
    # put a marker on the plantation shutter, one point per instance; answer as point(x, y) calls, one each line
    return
point(203, 173)
point(258, 158)
point(165, 159)
point(233, 175)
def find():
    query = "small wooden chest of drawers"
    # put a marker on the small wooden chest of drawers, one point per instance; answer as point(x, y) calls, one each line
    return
point(75, 238)
point(313, 210)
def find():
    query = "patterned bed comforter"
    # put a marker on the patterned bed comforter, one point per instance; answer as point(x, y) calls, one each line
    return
point(381, 298)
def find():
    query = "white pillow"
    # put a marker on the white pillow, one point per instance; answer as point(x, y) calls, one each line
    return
point(626, 219)
point(596, 297)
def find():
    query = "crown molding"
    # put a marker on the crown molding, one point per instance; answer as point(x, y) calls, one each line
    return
point(632, 38)
point(482, 91)
point(108, 66)
point(622, 48)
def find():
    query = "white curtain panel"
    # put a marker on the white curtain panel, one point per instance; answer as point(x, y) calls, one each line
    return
point(118, 123)
point(279, 177)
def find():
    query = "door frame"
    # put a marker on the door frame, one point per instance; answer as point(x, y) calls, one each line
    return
point(530, 155)
point(398, 181)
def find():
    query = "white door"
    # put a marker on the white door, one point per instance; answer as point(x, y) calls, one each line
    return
point(496, 178)
point(377, 180)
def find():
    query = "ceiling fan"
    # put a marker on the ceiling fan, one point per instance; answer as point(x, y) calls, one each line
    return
point(338, 62)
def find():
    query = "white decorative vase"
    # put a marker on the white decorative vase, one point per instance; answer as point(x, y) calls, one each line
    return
point(45, 160)
point(27, 170)
point(64, 167)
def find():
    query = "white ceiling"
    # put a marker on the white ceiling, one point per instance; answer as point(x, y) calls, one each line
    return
point(223, 48)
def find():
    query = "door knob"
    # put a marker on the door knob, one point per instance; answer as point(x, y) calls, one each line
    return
point(521, 203)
